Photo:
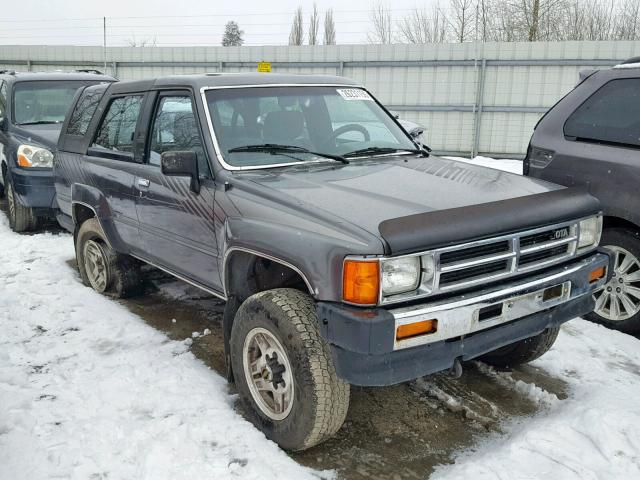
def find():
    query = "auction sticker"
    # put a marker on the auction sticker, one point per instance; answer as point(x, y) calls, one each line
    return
point(354, 94)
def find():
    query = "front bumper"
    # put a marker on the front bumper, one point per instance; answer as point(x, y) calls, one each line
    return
point(363, 341)
point(34, 189)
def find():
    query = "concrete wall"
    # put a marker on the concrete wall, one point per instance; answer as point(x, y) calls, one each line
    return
point(473, 98)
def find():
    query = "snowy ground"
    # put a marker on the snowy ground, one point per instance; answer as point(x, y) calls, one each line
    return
point(88, 390)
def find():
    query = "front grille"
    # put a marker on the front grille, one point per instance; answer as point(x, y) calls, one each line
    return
point(543, 255)
point(483, 270)
point(546, 236)
point(474, 252)
point(472, 264)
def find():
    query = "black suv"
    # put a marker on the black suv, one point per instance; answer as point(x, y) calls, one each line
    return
point(591, 138)
point(346, 254)
point(32, 109)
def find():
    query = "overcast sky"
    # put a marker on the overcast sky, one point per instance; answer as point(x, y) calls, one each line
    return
point(177, 22)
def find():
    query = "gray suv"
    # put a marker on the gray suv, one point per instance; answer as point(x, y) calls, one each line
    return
point(591, 139)
point(346, 254)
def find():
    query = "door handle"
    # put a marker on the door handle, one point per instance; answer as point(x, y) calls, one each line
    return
point(143, 182)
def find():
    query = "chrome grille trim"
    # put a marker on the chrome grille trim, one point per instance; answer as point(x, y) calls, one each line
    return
point(511, 257)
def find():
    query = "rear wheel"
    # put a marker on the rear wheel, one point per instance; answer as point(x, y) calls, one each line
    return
point(101, 267)
point(618, 302)
point(523, 351)
point(21, 218)
point(284, 371)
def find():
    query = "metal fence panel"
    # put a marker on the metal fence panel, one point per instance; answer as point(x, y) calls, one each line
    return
point(471, 97)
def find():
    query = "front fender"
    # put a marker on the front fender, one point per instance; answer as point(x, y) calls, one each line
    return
point(317, 257)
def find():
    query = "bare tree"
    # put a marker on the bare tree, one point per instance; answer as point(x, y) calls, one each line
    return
point(421, 27)
point(145, 42)
point(381, 22)
point(462, 19)
point(628, 25)
point(314, 26)
point(296, 37)
point(329, 28)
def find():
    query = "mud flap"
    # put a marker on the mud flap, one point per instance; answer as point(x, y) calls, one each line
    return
point(230, 310)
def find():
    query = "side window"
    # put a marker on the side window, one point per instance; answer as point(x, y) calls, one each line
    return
point(83, 111)
point(611, 115)
point(3, 98)
point(175, 128)
point(119, 124)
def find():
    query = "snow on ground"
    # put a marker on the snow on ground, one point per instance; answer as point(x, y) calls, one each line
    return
point(89, 391)
point(594, 434)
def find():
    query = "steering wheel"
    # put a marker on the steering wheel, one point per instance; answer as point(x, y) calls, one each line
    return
point(350, 127)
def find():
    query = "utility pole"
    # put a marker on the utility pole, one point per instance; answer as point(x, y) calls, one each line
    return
point(104, 42)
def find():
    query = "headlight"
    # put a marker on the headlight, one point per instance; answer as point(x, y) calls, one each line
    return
point(590, 231)
point(30, 156)
point(400, 275)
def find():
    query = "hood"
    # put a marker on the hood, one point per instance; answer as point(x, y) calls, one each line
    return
point(43, 135)
point(370, 194)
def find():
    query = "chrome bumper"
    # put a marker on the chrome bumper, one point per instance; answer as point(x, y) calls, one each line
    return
point(469, 314)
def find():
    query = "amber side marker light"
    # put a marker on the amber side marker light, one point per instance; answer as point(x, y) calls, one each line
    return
point(411, 330)
point(23, 161)
point(597, 274)
point(361, 282)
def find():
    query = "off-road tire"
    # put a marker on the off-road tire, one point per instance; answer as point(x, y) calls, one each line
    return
point(523, 351)
point(124, 276)
point(321, 399)
point(630, 241)
point(21, 218)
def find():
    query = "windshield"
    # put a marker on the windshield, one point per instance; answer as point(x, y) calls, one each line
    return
point(330, 120)
point(44, 101)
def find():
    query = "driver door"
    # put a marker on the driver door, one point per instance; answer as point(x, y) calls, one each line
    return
point(176, 224)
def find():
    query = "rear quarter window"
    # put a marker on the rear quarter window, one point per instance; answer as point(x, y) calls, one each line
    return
point(84, 110)
point(611, 115)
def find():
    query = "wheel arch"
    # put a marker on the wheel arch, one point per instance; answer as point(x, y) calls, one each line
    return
point(246, 272)
point(612, 221)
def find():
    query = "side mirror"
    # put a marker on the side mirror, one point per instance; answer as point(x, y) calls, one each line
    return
point(182, 164)
point(416, 132)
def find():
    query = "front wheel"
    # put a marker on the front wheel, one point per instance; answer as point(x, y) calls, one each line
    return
point(21, 218)
point(284, 371)
point(618, 302)
point(523, 351)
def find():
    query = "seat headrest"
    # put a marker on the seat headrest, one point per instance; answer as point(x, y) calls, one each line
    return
point(283, 126)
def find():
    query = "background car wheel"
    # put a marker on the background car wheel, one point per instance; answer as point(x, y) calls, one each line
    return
point(618, 302)
point(284, 371)
point(523, 351)
point(101, 267)
point(21, 218)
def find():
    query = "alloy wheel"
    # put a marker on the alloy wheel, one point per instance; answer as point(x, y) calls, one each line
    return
point(11, 201)
point(619, 299)
point(268, 373)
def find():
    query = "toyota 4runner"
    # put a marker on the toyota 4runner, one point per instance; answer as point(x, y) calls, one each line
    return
point(345, 253)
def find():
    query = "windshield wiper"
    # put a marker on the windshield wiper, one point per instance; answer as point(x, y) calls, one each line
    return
point(383, 150)
point(274, 148)
point(40, 122)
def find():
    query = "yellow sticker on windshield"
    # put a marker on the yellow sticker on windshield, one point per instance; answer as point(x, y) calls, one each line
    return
point(354, 94)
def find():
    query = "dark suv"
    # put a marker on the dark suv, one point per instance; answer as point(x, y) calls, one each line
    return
point(591, 138)
point(345, 253)
point(32, 109)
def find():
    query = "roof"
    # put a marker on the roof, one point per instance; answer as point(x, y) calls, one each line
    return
point(55, 76)
point(230, 79)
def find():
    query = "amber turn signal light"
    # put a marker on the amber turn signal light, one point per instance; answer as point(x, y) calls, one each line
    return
point(415, 329)
point(361, 282)
point(597, 274)
point(23, 161)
